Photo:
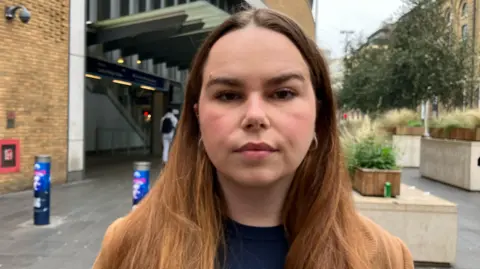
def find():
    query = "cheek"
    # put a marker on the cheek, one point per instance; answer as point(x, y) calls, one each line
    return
point(215, 126)
point(298, 129)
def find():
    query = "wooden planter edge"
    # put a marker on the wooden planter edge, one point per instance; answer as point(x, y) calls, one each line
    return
point(410, 131)
point(458, 133)
point(378, 170)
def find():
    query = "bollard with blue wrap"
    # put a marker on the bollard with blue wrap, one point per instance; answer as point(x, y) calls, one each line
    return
point(141, 181)
point(41, 190)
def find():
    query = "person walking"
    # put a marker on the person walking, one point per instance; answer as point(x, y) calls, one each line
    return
point(168, 123)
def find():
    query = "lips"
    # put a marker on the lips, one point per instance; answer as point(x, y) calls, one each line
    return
point(256, 147)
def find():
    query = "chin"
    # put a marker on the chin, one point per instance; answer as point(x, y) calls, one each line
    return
point(256, 178)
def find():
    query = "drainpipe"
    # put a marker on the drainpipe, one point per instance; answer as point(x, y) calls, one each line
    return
point(474, 34)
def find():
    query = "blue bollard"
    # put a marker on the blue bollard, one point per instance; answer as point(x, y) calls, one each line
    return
point(141, 182)
point(41, 190)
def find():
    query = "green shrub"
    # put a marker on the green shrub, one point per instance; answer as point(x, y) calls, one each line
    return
point(415, 123)
point(372, 154)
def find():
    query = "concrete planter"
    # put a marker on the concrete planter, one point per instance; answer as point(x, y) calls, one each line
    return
point(439, 133)
point(371, 182)
point(453, 162)
point(408, 150)
point(427, 224)
point(416, 131)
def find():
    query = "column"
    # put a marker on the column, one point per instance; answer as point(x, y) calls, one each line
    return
point(76, 91)
point(133, 9)
point(114, 13)
point(149, 65)
point(94, 50)
point(93, 10)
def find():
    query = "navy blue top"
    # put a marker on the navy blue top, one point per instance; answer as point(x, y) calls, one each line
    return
point(255, 247)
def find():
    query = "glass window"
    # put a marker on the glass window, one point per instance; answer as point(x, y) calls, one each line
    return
point(464, 32)
point(142, 5)
point(182, 2)
point(87, 11)
point(169, 3)
point(124, 7)
point(177, 94)
point(223, 4)
point(448, 16)
point(103, 10)
point(156, 4)
point(464, 10)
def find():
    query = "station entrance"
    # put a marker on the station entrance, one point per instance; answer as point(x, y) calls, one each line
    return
point(123, 111)
point(136, 66)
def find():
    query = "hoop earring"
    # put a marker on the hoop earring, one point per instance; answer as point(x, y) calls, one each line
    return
point(315, 143)
point(200, 142)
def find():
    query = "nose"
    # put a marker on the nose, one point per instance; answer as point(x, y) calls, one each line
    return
point(255, 117)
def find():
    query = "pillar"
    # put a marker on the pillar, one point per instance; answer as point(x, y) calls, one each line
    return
point(76, 91)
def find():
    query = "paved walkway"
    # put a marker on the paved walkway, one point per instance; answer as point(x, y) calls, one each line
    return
point(81, 213)
point(468, 204)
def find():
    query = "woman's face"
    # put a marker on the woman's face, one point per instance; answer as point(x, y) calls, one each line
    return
point(257, 107)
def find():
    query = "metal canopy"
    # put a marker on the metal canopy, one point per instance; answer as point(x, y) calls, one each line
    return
point(170, 35)
point(123, 28)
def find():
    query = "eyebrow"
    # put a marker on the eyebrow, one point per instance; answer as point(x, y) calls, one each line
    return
point(224, 81)
point(275, 81)
point(282, 78)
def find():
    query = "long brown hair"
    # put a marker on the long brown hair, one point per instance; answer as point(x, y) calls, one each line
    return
point(179, 224)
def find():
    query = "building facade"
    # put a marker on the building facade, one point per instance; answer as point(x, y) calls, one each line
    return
point(34, 90)
point(49, 85)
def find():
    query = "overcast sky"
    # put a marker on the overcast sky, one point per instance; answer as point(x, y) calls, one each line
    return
point(361, 16)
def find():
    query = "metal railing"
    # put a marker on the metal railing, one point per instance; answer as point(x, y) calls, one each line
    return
point(116, 140)
point(124, 107)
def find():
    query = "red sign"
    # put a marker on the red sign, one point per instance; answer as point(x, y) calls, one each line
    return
point(9, 156)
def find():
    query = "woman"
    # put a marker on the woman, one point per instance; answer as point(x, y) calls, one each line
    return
point(255, 179)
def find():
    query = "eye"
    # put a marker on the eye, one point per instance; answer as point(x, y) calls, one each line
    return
point(227, 96)
point(284, 94)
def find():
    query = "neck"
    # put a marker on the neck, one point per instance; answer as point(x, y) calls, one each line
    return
point(252, 205)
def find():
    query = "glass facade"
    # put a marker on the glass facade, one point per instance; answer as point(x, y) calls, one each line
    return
point(98, 10)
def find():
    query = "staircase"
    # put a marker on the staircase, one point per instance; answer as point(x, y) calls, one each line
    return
point(121, 100)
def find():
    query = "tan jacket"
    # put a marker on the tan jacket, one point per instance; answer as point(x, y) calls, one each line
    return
point(384, 250)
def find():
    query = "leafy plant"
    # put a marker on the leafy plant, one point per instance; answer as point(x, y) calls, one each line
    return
point(415, 123)
point(372, 154)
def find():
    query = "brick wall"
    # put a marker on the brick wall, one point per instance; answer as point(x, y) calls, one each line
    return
point(34, 84)
point(299, 10)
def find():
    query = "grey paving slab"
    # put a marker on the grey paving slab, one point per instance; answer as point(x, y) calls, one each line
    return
point(82, 212)
point(468, 204)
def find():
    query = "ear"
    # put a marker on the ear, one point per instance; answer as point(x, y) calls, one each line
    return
point(195, 108)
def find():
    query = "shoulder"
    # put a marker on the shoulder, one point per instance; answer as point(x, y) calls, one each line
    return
point(385, 251)
point(111, 245)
